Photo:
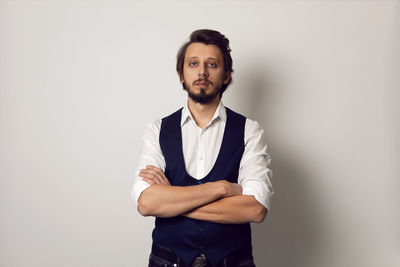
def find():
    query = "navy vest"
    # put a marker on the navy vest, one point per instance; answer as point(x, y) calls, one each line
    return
point(187, 237)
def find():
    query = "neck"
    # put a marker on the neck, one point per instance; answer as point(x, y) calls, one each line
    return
point(203, 113)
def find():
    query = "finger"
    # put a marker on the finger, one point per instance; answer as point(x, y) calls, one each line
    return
point(167, 182)
point(149, 181)
point(148, 175)
point(151, 175)
point(160, 173)
point(157, 176)
point(239, 188)
point(151, 167)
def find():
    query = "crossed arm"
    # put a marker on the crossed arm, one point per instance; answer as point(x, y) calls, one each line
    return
point(220, 201)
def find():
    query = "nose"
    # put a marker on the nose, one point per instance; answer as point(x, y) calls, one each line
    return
point(203, 72)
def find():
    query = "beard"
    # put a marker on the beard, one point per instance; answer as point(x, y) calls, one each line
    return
point(202, 97)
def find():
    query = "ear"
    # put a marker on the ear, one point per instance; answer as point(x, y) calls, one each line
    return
point(227, 77)
point(180, 77)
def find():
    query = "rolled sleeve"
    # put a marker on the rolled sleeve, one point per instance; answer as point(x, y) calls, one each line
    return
point(151, 155)
point(255, 176)
point(138, 187)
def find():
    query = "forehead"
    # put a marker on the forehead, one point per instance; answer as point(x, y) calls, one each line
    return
point(201, 50)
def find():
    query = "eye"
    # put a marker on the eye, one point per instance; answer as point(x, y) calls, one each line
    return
point(212, 65)
point(193, 63)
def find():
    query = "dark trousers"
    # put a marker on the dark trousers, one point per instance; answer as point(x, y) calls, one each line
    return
point(161, 257)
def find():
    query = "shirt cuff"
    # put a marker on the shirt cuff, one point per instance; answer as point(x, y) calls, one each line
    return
point(138, 187)
point(262, 195)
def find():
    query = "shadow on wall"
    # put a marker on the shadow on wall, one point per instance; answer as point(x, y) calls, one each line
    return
point(289, 235)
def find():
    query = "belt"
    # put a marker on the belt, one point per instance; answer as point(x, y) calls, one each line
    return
point(164, 253)
point(167, 255)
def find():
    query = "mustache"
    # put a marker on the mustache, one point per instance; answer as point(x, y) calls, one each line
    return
point(202, 80)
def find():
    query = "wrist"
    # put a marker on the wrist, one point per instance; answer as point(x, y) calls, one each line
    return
point(221, 188)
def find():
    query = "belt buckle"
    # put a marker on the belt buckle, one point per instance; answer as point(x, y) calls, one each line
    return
point(201, 259)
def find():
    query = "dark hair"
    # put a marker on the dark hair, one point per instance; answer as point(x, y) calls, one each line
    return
point(207, 37)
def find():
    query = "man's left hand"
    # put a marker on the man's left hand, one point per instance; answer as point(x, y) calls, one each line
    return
point(153, 175)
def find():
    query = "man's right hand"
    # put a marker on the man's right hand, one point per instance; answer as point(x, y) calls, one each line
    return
point(230, 189)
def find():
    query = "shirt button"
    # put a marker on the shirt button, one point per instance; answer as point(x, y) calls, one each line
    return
point(200, 158)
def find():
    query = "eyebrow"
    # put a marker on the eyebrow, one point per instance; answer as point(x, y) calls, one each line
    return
point(207, 58)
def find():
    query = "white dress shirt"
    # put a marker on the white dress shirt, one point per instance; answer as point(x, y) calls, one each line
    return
point(201, 148)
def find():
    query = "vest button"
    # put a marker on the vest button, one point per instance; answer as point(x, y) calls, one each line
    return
point(199, 182)
point(201, 229)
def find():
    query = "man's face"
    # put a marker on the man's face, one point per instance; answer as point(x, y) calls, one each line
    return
point(203, 72)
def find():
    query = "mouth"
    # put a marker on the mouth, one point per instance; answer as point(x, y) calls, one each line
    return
point(202, 84)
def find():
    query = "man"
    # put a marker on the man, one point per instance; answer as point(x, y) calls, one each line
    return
point(204, 169)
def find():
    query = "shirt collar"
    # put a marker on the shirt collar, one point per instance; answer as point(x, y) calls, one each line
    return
point(220, 112)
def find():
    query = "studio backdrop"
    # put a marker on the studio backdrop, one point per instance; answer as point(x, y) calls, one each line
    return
point(79, 80)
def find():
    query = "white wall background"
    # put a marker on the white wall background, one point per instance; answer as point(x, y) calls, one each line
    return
point(80, 79)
